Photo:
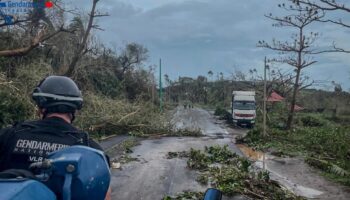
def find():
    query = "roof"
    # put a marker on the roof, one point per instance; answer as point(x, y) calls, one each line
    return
point(274, 97)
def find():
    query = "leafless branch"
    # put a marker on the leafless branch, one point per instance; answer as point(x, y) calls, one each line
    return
point(339, 22)
point(39, 38)
point(97, 27)
point(334, 50)
point(330, 5)
point(72, 11)
point(83, 45)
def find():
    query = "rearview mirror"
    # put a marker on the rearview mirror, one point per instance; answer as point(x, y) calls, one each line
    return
point(213, 194)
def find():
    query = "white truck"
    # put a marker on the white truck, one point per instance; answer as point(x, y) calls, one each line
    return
point(243, 108)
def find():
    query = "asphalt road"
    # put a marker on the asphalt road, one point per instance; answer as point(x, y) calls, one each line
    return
point(154, 176)
point(112, 141)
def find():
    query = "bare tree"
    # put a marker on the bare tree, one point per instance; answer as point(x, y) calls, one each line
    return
point(133, 55)
point(82, 46)
point(329, 6)
point(296, 52)
point(40, 37)
point(281, 81)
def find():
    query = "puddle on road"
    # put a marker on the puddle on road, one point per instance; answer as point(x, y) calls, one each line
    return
point(298, 189)
point(250, 153)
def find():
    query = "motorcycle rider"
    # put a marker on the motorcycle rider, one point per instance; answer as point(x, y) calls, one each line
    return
point(58, 98)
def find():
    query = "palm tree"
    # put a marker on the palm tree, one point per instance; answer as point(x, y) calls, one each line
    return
point(210, 74)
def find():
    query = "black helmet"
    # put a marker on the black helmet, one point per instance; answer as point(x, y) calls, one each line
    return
point(58, 94)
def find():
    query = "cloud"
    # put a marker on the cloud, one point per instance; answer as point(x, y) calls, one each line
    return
point(195, 36)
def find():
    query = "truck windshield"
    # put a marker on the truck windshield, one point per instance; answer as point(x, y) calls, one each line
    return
point(244, 105)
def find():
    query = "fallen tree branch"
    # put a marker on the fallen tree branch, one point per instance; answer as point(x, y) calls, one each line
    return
point(254, 194)
point(41, 37)
point(128, 115)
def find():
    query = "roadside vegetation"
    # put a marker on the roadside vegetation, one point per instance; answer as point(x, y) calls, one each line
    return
point(234, 175)
point(224, 114)
point(323, 143)
point(119, 88)
point(102, 114)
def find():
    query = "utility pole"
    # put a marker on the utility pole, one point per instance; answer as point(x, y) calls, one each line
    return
point(264, 109)
point(153, 83)
point(160, 86)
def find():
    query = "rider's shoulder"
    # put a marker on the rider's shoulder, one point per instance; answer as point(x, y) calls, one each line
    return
point(5, 130)
point(15, 127)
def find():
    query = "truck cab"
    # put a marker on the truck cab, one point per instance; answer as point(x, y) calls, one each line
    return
point(243, 108)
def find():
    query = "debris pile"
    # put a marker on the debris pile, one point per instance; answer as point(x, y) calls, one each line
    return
point(233, 175)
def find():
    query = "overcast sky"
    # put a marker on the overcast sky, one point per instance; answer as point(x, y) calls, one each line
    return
point(195, 36)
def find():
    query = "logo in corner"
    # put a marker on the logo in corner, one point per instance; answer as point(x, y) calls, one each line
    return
point(12, 9)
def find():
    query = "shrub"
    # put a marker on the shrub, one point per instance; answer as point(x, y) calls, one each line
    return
point(254, 135)
point(312, 121)
point(331, 142)
point(219, 111)
point(223, 114)
point(15, 105)
point(14, 108)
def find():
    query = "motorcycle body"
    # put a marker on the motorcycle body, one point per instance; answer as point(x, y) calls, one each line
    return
point(76, 172)
point(213, 194)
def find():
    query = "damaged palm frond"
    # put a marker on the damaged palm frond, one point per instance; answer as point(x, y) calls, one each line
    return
point(327, 166)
